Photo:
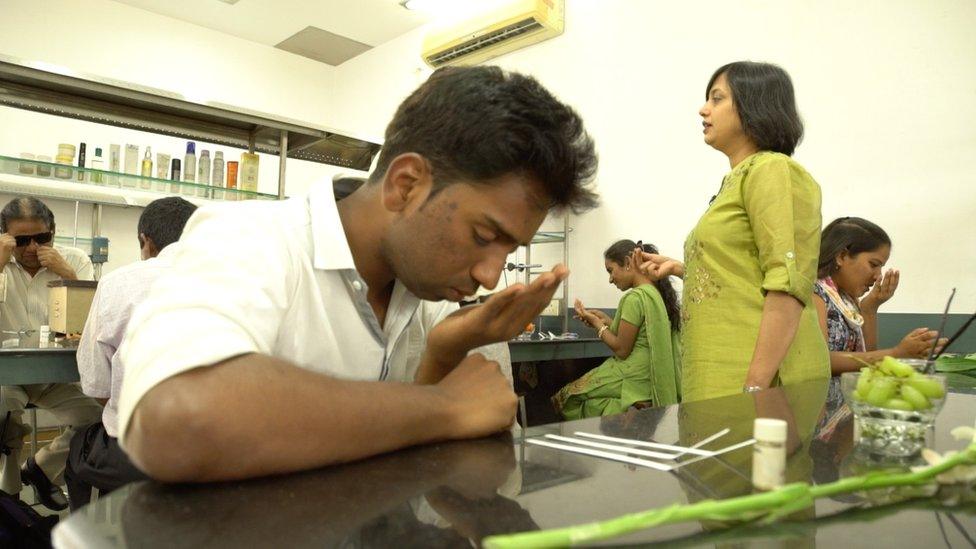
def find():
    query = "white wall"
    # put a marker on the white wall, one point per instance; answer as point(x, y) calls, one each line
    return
point(886, 88)
point(117, 41)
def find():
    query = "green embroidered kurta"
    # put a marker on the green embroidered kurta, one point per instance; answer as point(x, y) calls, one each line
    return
point(761, 233)
point(652, 371)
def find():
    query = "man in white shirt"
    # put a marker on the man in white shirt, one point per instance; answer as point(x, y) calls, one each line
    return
point(270, 346)
point(95, 459)
point(28, 261)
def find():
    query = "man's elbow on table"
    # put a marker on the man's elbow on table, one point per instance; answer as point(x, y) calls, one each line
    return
point(166, 433)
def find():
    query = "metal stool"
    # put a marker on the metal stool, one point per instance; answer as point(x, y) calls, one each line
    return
point(32, 410)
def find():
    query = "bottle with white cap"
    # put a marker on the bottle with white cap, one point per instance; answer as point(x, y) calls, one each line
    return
point(769, 453)
point(43, 336)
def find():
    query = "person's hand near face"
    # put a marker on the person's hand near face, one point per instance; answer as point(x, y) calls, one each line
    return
point(881, 291)
point(7, 245)
point(501, 318)
point(53, 261)
point(657, 266)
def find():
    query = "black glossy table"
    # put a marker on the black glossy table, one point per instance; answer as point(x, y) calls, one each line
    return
point(455, 494)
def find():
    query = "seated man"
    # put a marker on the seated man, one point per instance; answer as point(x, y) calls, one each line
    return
point(28, 261)
point(95, 459)
point(272, 343)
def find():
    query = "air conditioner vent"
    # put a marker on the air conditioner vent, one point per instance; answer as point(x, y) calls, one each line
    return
point(472, 41)
point(481, 42)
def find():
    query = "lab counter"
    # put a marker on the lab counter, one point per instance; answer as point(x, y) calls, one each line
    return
point(455, 494)
point(23, 361)
point(564, 349)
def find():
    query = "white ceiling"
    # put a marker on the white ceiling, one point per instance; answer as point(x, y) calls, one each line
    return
point(268, 22)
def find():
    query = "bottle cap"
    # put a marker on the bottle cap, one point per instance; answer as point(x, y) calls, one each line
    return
point(176, 163)
point(98, 151)
point(219, 154)
point(44, 328)
point(191, 147)
point(773, 430)
point(204, 152)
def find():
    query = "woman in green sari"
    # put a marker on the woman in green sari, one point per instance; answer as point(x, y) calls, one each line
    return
point(646, 365)
point(748, 319)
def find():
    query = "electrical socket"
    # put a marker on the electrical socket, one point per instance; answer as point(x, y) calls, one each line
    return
point(552, 309)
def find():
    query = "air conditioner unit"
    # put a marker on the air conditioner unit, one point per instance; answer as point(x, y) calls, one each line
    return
point(515, 25)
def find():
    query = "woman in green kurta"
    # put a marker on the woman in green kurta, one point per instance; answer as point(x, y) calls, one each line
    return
point(748, 321)
point(646, 365)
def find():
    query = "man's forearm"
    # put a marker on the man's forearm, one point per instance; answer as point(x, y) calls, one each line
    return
point(780, 320)
point(255, 415)
point(434, 365)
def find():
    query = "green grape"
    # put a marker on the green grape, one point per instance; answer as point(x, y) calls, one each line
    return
point(928, 387)
point(881, 390)
point(913, 396)
point(863, 384)
point(898, 404)
point(858, 395)
point(896, 367)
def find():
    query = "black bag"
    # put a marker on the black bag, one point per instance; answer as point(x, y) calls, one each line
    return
point(21, 527)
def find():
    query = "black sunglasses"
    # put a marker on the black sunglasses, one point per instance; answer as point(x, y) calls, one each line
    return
point(40, 238)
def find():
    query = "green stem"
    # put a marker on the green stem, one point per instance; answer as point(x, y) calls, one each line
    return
point(741, 508)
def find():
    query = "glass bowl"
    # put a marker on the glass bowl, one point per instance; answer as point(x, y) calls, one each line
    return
point(888, 418)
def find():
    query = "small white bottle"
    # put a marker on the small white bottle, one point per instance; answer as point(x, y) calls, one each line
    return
point(217, 176)
point(190, 167)
point(203, 174)
point(769, 453)
point(97, 163)
point(44, 336)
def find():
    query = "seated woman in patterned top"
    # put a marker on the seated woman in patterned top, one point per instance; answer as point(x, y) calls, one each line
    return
point(850, 289)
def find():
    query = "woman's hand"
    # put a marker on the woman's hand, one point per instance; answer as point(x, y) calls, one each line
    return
point(604, 317)
point(918, 344)
point(880, 292)
point(657, 266)
point(587, 316)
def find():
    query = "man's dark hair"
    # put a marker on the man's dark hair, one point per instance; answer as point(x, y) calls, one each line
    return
point(163, 220)
point(26, 207)
point(763, 96)
point(475, 124)
point(851, 234)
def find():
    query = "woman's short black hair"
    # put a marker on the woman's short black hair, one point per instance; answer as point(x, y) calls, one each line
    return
point(26, 207)
point(763, 96)
point(619, 251)
point(848, 234)
point(476, 124)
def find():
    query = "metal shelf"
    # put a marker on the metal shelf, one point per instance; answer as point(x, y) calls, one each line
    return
point(45, 88)
point(103, 187)
point(549, 237)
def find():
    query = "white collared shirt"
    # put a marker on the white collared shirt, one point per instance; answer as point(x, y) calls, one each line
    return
point(24, 298)
point(99, 362)
point(275, 278)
